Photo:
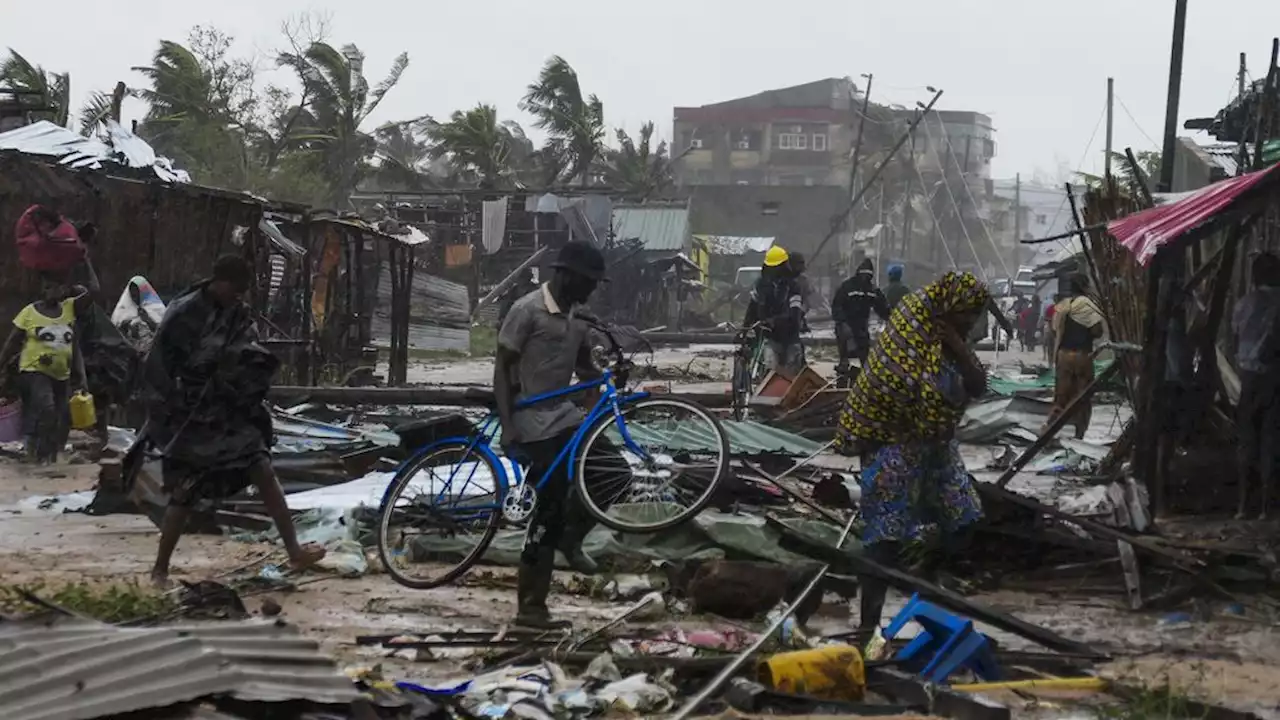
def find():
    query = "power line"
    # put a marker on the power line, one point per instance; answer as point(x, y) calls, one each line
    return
point(1079, 165)
point(936, 225)
point(976, 260)
point(963, 176)
point(1134, 120)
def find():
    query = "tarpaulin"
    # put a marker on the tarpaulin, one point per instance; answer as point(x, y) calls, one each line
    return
point(1146, 232)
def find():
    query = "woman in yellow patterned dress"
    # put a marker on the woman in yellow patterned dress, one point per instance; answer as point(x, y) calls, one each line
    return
point(901, 416)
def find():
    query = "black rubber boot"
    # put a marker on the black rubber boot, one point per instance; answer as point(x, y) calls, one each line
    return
point(533, 585)
point(577, 523)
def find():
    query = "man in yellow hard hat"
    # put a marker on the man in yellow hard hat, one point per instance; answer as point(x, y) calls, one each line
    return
point(777, 302)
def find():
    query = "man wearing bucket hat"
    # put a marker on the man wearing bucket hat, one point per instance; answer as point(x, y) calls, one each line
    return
point(544, 341)
point(778, 302)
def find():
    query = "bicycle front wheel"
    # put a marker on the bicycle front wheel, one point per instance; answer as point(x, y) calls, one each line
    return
point(439, 514)
point(654, 468)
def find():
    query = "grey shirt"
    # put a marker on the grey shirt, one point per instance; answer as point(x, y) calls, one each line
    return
point(550, 343)
point(1255, 325)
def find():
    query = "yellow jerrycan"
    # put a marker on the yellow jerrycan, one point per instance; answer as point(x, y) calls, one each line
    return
point(83, 414)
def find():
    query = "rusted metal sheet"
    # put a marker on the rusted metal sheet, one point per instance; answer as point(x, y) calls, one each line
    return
point(72, 669)
point(439, 312)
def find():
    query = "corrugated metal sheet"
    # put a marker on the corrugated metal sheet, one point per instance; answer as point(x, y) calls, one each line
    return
point(659, 228)
point(1225, 156)
point(735, 245)
point(1146, 232)
point(73, 669)
point(439, 311)
point(77, 151)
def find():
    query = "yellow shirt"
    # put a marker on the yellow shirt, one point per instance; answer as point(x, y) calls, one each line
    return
point(49, 340)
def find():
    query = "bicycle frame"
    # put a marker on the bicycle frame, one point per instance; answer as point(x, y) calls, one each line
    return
point(610, 401)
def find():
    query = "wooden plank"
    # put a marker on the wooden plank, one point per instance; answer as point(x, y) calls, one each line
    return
point(862, 565)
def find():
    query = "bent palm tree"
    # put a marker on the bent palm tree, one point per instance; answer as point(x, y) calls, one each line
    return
point(574, 122)
point(479, 147)
point(340, 102)
point(49, 93)
point(639, 169)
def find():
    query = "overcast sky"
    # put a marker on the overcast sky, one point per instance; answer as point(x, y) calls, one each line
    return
point(1038, 68)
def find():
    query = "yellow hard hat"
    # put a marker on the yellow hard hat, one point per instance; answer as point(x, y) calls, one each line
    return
point(776, 256)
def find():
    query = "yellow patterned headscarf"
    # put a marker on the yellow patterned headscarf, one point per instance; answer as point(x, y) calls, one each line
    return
point(897, 398)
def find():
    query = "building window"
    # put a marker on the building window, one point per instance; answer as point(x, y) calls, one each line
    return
point(793, 141)
point(768, 208)
point(1042, 219)
point(819, 142)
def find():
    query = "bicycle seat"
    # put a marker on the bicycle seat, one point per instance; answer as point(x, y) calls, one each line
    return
point(480, 396)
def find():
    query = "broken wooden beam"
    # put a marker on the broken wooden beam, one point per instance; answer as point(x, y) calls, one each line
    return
point(718, 338)
point(430, 395)
point(1050, 432)
point(906, 582)
point(905, 689)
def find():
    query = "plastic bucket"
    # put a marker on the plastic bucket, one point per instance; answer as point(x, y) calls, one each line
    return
point(11, 422)
point(831, 672)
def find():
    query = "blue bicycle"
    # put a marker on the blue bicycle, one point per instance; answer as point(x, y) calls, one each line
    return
point(639, 463)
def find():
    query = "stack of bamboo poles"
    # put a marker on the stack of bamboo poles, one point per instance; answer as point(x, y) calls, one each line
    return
point(1119, 281)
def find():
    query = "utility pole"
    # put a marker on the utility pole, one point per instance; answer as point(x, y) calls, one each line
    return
point(1175, 91)
point(1240, 75)
point(857, 143)
point(906, 210)
point(1017, 218)
point(1111, 111)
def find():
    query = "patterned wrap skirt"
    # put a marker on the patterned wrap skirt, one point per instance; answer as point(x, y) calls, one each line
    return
point(909, 487)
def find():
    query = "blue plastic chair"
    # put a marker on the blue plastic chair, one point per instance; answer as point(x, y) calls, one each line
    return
point(945, 644)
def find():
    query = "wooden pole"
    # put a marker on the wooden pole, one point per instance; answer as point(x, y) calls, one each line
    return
point(840, 219)
point(857, 143)
point(1060, 422)
point(1111, 110)
point(1175, 92)
point(1264, 120)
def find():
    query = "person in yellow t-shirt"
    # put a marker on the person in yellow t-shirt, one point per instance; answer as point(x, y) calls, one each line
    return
point(49, 366)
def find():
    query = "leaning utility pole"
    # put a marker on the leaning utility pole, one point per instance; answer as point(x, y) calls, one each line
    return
point(857, 143)
point(1017, 220)
point(1111, 111)
point(1175, 91)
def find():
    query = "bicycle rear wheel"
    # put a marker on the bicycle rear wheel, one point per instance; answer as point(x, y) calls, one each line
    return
point(677, 456)
point(451, 489)
point(742, 386)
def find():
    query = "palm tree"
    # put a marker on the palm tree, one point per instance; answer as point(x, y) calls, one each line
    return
point(403, 155)
point(52, 91)
point(574, 122)
point(340, 101)
point(479, 147)
point(639, 168)
point(100, 108)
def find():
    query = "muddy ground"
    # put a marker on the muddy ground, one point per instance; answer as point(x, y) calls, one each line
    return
point(1220, 656)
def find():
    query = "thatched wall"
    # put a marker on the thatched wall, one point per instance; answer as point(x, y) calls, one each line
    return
point(169, 233)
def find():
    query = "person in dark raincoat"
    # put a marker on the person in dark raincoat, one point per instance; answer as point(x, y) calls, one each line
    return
point(851, 309)
point(205, 381)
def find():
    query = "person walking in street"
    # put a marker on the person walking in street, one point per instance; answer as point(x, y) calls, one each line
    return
point(544, 341)
point(1050, 341)
point(777, 301)
point(896, 290)
point(851, 308)
point(49, 364)
point(1256, 323)
point(1077, 324)
point(901, 417)
point(205, 382)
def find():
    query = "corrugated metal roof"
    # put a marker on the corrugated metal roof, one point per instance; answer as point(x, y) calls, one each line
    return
point(1225, 156)
point(439, 312)
point(658, 228)
point(745, 438)
point(76, 151)
point(67, 668)
point(735, 245)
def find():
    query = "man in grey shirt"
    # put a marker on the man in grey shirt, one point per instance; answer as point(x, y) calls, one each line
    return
point(543, 342)
point(1258, 412)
